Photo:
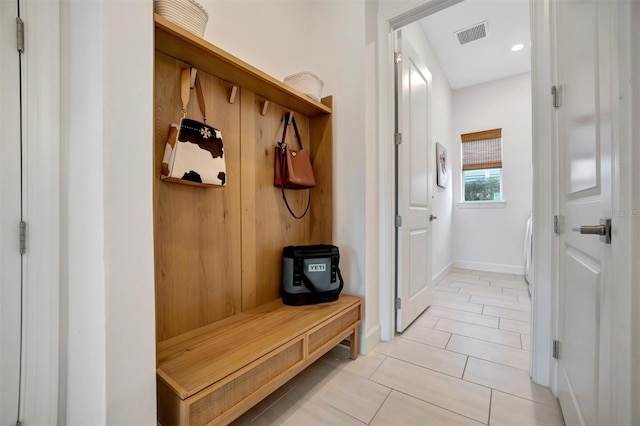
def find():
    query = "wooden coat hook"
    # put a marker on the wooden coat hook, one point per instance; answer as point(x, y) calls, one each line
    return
point(232, 94)
point(265, 107)
point(194, 73)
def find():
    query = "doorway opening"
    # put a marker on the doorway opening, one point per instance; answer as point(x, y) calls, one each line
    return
point(478, 54)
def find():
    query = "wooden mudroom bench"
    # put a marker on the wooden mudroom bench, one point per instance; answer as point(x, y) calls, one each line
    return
point(213, 374)
point(224, 339)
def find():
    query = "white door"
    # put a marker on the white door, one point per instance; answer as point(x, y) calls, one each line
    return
point(585, 131)
point(10, 262)
point(413, 186)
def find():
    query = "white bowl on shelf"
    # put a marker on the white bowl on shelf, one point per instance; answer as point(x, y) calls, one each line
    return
point(188, 14)
point(307, 83)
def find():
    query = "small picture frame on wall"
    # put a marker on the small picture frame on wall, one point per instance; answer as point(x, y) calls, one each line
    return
point(442, 166)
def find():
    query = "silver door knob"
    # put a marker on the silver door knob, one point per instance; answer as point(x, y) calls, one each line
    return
point(603, 230)
point(432, 218)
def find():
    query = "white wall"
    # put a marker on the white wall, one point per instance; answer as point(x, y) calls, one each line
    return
point(441, 131)
point(633, 17)
point(107, 217)
point(372, 157)
point(493, 238)
point(10, 216)
point(274, 36)
point(338, 43)
point(41, 210)
point(84, 219)
point(128, 217)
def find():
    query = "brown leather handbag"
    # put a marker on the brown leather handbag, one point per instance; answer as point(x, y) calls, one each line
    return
point(293, 169)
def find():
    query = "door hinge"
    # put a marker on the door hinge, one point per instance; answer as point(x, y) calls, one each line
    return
point(23, 237)
point(20, 34)
point(398, 221)
point(398, 303)
point(557, 225)
point(398, 138)
point(556, 92)
point(397, 57)
point(556, 349)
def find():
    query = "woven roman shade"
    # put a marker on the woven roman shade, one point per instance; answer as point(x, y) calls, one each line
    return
point(482, 150)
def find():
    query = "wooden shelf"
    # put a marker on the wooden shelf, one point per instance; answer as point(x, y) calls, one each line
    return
point(185, 46)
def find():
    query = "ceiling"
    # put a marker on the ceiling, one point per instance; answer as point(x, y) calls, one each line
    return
point(486, 59)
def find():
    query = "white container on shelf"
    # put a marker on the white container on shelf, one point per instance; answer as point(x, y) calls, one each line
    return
point(307, 83)
point(189, 14)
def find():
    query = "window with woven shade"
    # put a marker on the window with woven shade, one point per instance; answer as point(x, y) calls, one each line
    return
point(482, 165)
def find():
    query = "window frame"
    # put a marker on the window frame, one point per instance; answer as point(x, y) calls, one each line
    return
point(485, 135)
point(486, 171)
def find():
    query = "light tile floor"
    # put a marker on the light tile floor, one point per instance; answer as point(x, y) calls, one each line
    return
point(464, 361)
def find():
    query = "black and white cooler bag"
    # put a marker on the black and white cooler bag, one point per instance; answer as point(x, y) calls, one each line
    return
point(310, 274)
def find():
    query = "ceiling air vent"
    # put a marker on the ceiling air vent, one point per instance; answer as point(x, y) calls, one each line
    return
point(473, 33)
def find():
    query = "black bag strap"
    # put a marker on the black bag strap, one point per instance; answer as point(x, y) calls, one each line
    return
point(290, 117)
point(309, 285)
point(283, 152)
point(295, 129)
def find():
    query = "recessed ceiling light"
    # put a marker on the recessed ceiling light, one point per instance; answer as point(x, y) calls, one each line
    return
point(517, 47)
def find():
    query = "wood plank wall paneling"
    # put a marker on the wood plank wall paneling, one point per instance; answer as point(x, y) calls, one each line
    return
point(276, 228)
point(321, 135)
point(248, 170)
point(196, 230)
point(218, 251)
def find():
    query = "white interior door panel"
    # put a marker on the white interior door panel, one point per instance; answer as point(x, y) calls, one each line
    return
point(413, 181)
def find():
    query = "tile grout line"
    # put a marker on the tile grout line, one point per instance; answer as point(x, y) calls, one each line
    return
point(464, 370)
point(440, 406)
point(463, 312)
point(489, 360)
point(508, 392)
point(480, 325)
point(449, 341)
point(502, 307)
point(383, 402)
point(376, 369)
point(404, 337)
point(475, 323)
point(485, 340)
point(490, 401)
point(272, 404)
point(425, 368)
point(555, 407)
point(477, 338)
point(346, 414)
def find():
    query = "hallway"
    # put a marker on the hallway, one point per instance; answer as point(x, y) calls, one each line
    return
point(463, 361)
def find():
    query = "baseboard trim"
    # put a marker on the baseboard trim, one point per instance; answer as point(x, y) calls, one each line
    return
point(490, 267)
point(440, 275)
point(371, 339)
